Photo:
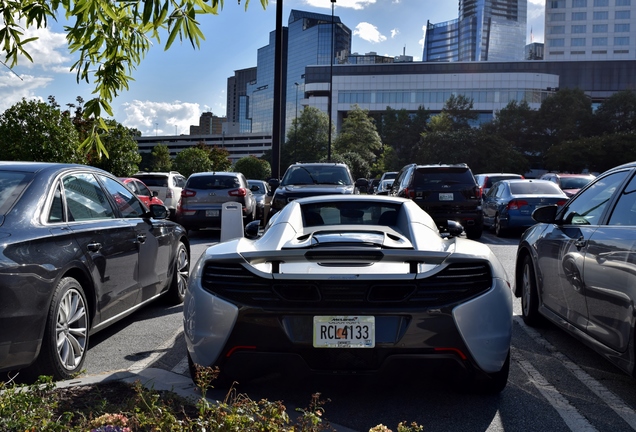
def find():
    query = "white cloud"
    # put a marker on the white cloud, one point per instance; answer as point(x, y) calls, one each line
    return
point(352, 4)
point(537, 2)
point(13, 89)
point(369, 33)
point(161, 118)
point(49, 51)
point(394, 33)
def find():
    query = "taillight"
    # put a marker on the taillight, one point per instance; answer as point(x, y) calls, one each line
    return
point(169, 193)
point(561, 202)
point(517, 204)
point(409, 193)
point(240, 192)
point(187, 193)
point(478, 191)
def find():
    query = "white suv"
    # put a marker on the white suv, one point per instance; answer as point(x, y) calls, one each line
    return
point(168, 186)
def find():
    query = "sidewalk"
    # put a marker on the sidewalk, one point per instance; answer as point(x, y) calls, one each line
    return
point(159, 379)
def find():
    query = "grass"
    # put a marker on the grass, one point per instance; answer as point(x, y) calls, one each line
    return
point(116, 406)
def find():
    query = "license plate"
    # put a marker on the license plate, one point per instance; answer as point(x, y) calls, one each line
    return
point(212, 213)
point(344, 331)
point(446, 197)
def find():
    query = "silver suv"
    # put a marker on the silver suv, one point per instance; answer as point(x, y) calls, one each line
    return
point(204, 194)
point(168, 186)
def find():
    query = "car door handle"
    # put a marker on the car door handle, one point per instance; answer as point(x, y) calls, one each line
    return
point(141, 238)
point(580, 242)
point(94, 247)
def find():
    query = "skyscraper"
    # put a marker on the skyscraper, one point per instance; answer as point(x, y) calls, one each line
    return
point(590, 29)
point(307, 41)
point(486, 30)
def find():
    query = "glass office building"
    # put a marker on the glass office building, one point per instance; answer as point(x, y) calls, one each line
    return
point(486, 30)
point(307, 41)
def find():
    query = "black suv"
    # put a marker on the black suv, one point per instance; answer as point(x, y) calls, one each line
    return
point(311, 179)
point(445, 192)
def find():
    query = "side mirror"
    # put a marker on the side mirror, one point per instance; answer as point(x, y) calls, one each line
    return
point(455, 229)
point(545, 214)
point(155, 193)
point(158, 211)
point(251, 229)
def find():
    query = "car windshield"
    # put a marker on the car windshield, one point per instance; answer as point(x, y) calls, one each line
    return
point(574, 182)
point(255, 185)
point(316, 174)
point(213, 182)
point(345, 212)
point(11, 186)
point(534, 188)
point(156, 181)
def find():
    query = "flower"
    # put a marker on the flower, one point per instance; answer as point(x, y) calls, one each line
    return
point(110, 423)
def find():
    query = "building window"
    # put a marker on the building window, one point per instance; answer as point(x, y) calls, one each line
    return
point(622, 14)
point(600, 15)
point(621, 41)
point(579, 16)
point(599, 28)
point(557, 29)
point(577, 29)
point(557, 16)
point(599, 52)
point(578, 42)
point(556, 42)
point(577, 52)
point(599, 41)
point(557, 4)
point(601, 3)
point(621, 28)
point(621, 51)
point(623, 2)
point(556, 52)
point(579, 3)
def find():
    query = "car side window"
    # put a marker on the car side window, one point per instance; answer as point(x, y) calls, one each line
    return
point(128, 204)
point(589, 206)
point(56, 212)
point(625, 211)
point(142, 190)
point(85, 198)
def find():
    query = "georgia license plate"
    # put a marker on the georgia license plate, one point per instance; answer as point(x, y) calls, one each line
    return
point(344, 331)
point(212, 213)
point(446, 197)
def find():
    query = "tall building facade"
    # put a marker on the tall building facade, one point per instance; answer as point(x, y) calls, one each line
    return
point(486, 30)
point(209, 124)
point(307, 41)
point(237, 100)
point(590, 30)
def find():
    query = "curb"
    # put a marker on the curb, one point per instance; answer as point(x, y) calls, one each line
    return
point(159, 379)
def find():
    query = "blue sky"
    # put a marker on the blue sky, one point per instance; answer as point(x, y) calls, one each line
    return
point(172, 88)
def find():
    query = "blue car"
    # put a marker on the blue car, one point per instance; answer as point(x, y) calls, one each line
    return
point(509, 203)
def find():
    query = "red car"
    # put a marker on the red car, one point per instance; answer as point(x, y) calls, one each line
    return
point(141, 190)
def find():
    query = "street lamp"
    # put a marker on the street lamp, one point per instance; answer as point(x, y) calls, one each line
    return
point(296, 124)
point(333, 3)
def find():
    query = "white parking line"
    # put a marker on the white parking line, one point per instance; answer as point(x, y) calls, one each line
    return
point(568, 413)
point(181, 367)
point(613, 401)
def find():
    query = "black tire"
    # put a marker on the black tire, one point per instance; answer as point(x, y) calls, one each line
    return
point(65, 338)
point(499, 230)
point(493, 383)
point(180, 276)
point(474, 233)
point(529, 294)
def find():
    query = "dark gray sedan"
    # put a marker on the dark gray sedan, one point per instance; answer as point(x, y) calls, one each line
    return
point(577, 267)
point(78, 252)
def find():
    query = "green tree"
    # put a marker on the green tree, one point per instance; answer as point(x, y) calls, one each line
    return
point(359, 135)
point(617, 113)
point(192, 160)
point(160, 158)
point(109, 39)
point(358, 166)
point(37, 131)
point(400, 133)
point(597, 153)
point(460, 110)
point(441, 123)
point(124, 154)
point(220, 159)
point(253, 168)
point(307, 140)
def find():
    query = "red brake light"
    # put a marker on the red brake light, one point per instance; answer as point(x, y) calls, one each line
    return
point(409, 193)
point(517, 204)
point(478, 191)
point(240, 192)
point(187, 193)
point(561, 202)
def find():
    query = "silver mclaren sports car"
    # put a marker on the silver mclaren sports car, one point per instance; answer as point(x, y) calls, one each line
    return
point(351, 285)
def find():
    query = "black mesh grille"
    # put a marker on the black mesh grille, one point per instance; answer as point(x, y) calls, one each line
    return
point(454, 284)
